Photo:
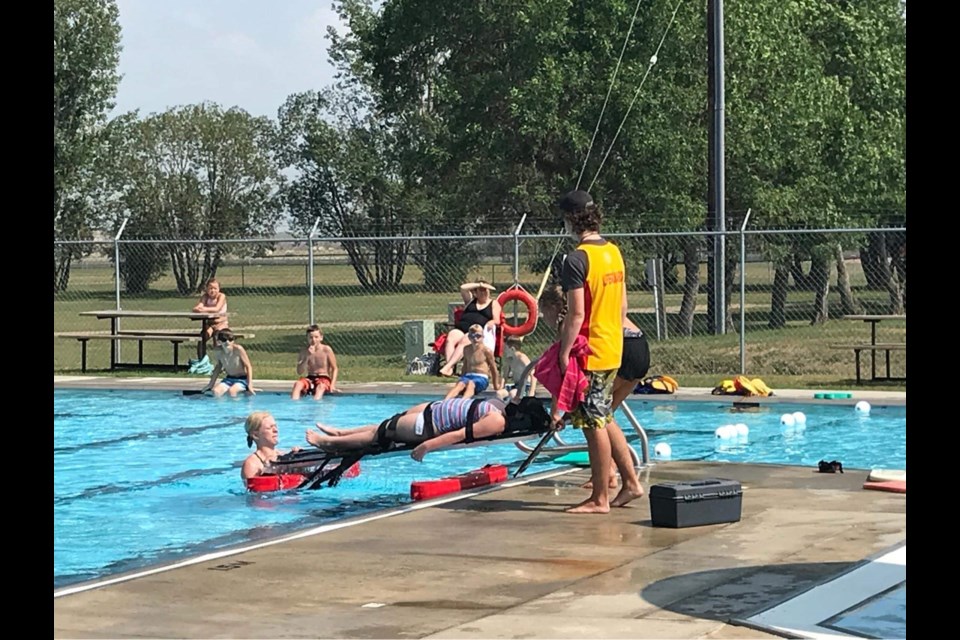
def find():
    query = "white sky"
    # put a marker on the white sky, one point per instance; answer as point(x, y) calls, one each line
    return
point(246, 53)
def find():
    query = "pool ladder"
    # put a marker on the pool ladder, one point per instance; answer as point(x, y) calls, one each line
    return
point(564, 447)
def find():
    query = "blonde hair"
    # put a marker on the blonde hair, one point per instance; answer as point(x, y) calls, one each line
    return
point(475, 328)
point(252, 425)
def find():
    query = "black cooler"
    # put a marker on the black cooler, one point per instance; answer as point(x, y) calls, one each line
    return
point(695, 503)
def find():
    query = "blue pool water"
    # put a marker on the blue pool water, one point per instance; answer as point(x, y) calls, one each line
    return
point(143, 477)
point(883, 616)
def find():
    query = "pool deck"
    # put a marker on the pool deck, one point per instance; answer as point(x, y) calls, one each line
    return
point(508, 563)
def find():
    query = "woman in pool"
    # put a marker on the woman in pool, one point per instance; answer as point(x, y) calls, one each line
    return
point(261, 429)
point(431, 425)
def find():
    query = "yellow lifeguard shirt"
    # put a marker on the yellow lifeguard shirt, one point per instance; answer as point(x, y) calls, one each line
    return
point(598, 268)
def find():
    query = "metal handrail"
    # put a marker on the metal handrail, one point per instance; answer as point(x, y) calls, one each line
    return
point(563, 447)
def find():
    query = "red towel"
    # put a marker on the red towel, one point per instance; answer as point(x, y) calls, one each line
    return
point(570, 388)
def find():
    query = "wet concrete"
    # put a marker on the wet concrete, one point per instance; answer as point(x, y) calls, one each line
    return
point(509, 563)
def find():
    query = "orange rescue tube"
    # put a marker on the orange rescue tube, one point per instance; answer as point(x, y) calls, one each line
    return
point(520, 295)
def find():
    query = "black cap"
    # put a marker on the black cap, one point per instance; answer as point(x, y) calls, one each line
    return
point(575, 201)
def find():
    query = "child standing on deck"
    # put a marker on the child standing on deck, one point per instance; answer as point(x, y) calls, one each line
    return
point(514, 363)
point(479, 366)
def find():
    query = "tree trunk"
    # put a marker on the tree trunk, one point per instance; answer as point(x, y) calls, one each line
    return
point(820, 279)
point(891, 282)
point(848, 302)
point(778, 297)
point(801, 281)
point(691, 284)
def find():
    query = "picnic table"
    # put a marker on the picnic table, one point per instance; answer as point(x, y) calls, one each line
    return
point(873, 346)
point(117, 334)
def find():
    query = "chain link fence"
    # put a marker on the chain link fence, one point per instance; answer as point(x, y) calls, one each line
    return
point(783, 296)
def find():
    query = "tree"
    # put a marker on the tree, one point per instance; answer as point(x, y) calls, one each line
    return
point(196, 173)
point(86, 52)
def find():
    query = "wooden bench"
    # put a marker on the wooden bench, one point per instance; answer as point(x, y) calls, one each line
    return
point(873, 348)
point(174, 339)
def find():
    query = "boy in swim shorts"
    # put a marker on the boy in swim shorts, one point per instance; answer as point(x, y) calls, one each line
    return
point(316, 366)
point(479, 366)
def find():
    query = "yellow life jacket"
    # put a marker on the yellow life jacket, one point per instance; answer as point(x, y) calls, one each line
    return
point(657, 384)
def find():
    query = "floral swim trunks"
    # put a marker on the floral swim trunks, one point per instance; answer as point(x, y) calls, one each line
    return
point(595, 410)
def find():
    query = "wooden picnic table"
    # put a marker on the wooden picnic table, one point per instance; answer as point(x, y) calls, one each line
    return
point(114, 315)
point(874, 320)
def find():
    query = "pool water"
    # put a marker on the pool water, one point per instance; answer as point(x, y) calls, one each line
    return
point(144, 477)
point(877, 439)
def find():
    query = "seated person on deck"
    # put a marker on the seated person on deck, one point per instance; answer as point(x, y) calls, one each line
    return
point(515, 362)
point(316, 366)
point(432, 425)
point(479, 366)
point(480, 308)
point(232, 359)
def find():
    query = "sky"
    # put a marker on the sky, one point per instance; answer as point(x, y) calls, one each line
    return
point(246, 53)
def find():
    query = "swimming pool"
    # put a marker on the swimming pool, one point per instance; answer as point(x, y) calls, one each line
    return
point(144, 477)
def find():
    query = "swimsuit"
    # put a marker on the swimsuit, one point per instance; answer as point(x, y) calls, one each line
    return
point(480, 381)
point(635, 361)
point(230, 381)
point(314, 380)
point(471, 316)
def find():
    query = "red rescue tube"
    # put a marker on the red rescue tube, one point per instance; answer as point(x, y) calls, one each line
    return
point(284, 481)
point(275, 482)
point(489, 474)
point(520, 295)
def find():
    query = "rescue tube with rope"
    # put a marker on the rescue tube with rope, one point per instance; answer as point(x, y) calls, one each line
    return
point(520, 295)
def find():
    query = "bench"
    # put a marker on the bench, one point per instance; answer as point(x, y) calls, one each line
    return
point(174, 339)
point(873, 348)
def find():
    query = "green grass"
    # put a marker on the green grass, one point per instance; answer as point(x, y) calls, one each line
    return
point(365, 328)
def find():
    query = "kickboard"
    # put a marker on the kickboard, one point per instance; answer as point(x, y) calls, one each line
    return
point(893, 486)
point(578, 458)
point(887, 475)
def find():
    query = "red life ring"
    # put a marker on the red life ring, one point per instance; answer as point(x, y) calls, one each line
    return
point(517, 293)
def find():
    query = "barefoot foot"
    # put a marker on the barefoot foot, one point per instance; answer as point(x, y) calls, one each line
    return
point(626, 495)
point(589, 506)
point(613, 483)
point(330, 431)
point(446, 371)
point(318, 439)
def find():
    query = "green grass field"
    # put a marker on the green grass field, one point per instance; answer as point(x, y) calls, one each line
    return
point(366, 328)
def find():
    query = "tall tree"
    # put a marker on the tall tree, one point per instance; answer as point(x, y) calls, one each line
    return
point(86, 52)
point(196, 173)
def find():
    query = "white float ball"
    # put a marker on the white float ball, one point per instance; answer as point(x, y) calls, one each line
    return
point(862, 407)
point(742, 429)
point(799, 417)
point(787, 420)
point(725, 432)
point(662, 450)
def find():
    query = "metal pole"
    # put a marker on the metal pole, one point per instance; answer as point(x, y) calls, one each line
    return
point(516, 261)
point(116, 258)
point(516, 250)
point(310, 266)
point(115, 344)
point(717, 195)
point(743, 294)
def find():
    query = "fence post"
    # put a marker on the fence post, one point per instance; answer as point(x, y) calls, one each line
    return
point(743, 294)
point(115, 352)
point(310, 267)
point(516, 260)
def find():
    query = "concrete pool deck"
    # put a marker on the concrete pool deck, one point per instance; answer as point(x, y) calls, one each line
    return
point(508, 563)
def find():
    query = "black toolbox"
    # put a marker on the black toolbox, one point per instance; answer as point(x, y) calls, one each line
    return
point(695, 503)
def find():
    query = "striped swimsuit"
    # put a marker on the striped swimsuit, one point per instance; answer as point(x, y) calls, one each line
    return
point(450, 415)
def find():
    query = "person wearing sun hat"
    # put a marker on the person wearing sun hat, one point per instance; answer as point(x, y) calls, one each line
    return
point(480, 307)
